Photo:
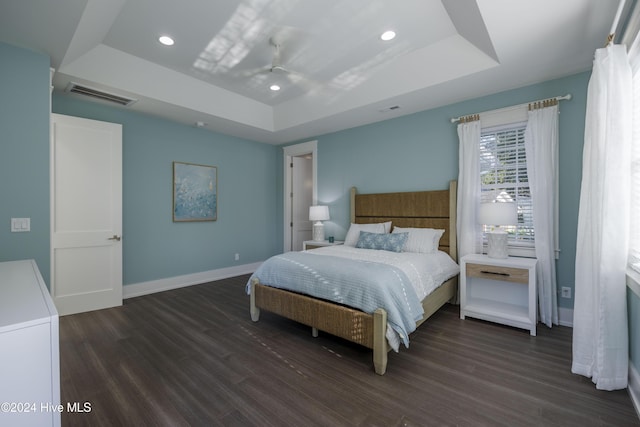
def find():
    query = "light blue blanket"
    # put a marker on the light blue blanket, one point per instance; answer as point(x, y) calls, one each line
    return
point(364, 285)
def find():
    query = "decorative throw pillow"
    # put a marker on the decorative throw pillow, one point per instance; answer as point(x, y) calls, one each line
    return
point(355, 229)
point(382, 241)
point(421, 240)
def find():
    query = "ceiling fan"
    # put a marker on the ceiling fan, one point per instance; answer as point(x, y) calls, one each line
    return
point(276, 65)
point(277, 68)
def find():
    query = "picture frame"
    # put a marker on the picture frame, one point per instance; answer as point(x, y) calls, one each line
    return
point(195, 192)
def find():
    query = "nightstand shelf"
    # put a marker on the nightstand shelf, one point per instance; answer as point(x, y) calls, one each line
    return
point(500, 312)
point(499, 290)
point(313, 244)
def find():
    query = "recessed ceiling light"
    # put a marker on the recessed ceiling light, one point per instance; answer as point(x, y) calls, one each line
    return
point(166, 40)
point(274, 87)
point(388, 35)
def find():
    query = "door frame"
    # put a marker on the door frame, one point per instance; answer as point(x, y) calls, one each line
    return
point(310, 147)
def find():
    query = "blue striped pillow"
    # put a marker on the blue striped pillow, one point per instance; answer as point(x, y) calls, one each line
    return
point(382, 241)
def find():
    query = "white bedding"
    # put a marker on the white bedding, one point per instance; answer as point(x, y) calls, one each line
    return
point(425, 271)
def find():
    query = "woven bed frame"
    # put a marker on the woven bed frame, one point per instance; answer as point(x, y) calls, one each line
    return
point(428, 209)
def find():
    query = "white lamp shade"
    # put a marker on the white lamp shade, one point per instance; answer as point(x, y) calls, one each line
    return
point(498, 213)
point(318, 213)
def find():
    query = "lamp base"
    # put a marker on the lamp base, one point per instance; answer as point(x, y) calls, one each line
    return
point(318, 232)
point(497, 245)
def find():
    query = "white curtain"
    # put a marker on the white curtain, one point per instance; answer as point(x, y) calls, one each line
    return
point(600, 341)
point(469, 233)
point(541, 145)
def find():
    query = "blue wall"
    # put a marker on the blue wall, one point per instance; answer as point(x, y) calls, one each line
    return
point(155, 247)
point(24, 154)
point(420, 151)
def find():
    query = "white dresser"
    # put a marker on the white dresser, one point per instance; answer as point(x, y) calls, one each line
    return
point(29, 348)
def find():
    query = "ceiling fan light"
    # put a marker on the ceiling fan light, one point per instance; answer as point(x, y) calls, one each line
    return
point(274, 88)
point(166, 40)
point(388, 35)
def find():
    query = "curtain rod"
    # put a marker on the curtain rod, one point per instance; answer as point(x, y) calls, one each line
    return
point(557, 98)
point(614, 25)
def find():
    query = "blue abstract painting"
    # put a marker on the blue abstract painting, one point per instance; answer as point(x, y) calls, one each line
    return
point(195, 192)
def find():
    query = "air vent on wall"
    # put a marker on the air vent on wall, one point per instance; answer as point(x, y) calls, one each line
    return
point(99, 94)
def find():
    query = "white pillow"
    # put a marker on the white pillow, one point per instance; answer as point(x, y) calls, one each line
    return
point(354, 231)
point(421, 240)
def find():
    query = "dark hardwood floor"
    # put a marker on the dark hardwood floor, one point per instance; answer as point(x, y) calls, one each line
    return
point(193, 356)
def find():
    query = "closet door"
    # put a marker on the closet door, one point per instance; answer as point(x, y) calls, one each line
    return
point(86, 214)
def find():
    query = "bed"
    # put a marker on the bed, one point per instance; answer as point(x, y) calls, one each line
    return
point(421, 209)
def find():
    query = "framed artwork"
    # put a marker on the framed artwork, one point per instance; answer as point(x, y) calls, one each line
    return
point(195, 192)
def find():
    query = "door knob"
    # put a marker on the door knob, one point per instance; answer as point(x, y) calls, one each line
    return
point(115, 237)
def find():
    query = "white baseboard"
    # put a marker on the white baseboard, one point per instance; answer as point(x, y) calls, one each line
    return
point(153, 286)
point(565, 317)
point(634, 387)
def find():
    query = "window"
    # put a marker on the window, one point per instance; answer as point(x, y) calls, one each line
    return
point(634, 226)
point(503, 174)
point(631, 39)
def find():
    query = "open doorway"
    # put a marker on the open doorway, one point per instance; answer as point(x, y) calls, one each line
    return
point(300, 192)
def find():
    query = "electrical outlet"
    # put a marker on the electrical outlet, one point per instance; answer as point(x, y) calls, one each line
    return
point(237, 257)
point(566, 292)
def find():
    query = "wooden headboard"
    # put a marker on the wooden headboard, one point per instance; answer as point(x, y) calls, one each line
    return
point(424, 209)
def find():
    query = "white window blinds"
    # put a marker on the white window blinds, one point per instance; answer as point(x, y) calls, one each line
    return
point(503, 173)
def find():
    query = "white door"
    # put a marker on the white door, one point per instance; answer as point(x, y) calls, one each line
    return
point(301, 199)
point(86, 214)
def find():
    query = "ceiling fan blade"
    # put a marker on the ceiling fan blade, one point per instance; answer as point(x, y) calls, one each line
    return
point(252, 72)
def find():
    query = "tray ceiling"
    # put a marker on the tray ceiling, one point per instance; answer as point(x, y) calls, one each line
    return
point(333, 69)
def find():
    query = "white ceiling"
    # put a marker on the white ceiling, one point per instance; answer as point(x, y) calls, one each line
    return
point(340, 74)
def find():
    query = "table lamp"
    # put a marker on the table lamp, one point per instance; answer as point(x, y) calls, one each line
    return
point(497, 214)
point(318, 214)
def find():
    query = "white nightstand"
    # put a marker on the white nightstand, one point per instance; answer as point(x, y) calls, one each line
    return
point(312, 244)
point(499, 290)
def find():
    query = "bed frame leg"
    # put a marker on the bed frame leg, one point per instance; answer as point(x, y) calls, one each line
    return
point(314, 332)
point(380, 341)
point(255, 311)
